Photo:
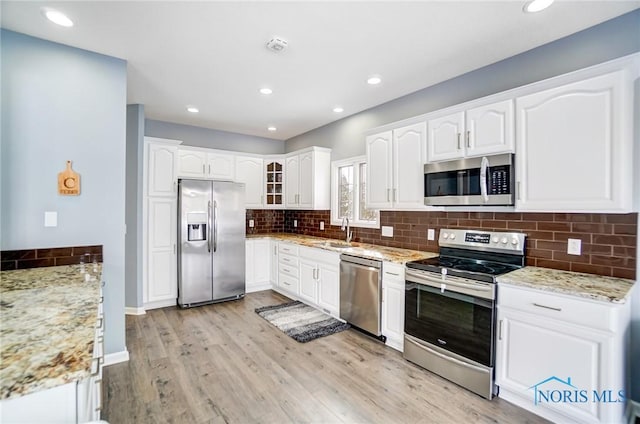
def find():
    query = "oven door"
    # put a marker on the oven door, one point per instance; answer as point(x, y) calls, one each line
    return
point(462, 323)
point(473, 181)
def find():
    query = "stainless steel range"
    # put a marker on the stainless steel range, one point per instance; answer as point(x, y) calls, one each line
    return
point(450, 305)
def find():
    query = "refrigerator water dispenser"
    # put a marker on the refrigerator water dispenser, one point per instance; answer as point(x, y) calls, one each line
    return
point(196, 232)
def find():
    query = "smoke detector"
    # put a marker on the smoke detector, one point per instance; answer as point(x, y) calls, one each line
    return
point(277, 44)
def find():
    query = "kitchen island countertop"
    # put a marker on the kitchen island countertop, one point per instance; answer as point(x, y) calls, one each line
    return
point(590, 286)
point(48, 318)
point(365, 250)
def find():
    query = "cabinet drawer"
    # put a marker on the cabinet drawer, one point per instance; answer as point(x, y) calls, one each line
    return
point(393, 272)
point(288, 260)
point(289, 249)
point(288, 283)
point(315, 254)
point(557, 306)
point(288, 270)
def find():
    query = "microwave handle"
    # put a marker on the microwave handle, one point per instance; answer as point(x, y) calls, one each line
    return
point(484, 188)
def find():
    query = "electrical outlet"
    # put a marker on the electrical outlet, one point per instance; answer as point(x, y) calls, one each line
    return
point(431, 234)
point(574, 246)
point(251, 223)
point(321, 225)
point(387, 231)
point(295, 222)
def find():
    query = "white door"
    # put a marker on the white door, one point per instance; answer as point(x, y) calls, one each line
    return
point(446, 137)
point(161, 180)
point(308, 281)
point(249, 172)
point(409, 145)
point(220, 166)
point(379, 153)
point(162, 274)
point(571, 145)
point(292, 181)
point(393, 313)
point(305, 178)
point(490, 129)
point(192, 164)
point(329, 288)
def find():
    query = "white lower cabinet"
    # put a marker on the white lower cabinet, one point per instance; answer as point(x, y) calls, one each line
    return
point(162, 286)
point(320, 279)
point(258, 265)
point(288, 274)
point(561, 357)
point(393, 304)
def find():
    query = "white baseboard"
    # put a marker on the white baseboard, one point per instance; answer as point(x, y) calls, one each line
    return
point(134, 311)
point(116, 358)
point(256, 287)
point(160, 304)
point(633, 411)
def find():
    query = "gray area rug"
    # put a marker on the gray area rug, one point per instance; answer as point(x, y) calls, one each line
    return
point(301, 322)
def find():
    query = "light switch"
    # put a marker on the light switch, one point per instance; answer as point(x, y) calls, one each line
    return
point(51, 219)
point(574, 246)
point(431, 234)
point(321, 225)
point(387, 231)
point(251, 223)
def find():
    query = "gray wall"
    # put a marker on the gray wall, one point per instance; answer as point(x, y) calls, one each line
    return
point(213, 139)
point(609, 40)
point(60, 103)
point(133, 211)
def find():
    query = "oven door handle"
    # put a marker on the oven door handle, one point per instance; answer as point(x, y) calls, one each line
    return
point(480, 290)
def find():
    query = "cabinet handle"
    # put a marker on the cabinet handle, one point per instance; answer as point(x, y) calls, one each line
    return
point(518, 190)
point(209, 169)
point(275, 250)
point(392, 273)
point(99, 394)
point(203, 168)
point(261, 199)
point(468, 138)
point(388, 191)
point(174, 248)
point(547, 307)
point(286, 259)
point(394, 194)
point(500, 330)
point(459, 147)
point(318, 274)
point(100, 320)
point(174, 186)
point(286, 270)
point(96, 362)
point(382, 295)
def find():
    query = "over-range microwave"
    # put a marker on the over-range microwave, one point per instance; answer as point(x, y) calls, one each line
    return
point(487, 180)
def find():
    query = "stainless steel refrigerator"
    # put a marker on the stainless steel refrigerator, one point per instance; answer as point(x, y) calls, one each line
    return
point(211, 248)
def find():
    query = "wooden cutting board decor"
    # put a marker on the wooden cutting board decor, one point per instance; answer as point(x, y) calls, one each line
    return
point(69, 182)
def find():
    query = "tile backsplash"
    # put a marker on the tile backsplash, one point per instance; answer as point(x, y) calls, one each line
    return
point(37, 258)
point(608, 240)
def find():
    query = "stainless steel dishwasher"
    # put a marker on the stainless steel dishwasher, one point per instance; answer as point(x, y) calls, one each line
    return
point(361, 293)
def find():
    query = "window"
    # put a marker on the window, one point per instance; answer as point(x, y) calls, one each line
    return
point(349, 185)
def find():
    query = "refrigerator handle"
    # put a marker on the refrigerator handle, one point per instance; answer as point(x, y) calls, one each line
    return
point(209, 224)
point(215, 226)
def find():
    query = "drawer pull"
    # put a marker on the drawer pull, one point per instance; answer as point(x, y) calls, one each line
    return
point(95, 364)
point(547, 307)
point(392, 273)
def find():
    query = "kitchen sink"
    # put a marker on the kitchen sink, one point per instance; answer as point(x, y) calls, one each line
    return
point(336, 245)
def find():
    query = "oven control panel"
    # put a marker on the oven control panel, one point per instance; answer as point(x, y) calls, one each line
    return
point(483, 240)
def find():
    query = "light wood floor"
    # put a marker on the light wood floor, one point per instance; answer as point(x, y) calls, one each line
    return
point(223, 363)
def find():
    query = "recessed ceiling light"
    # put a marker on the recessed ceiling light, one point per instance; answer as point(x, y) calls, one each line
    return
point(58, 17)
point(266, 90)
point(374, 79)
point(272, 128)
point(536, 5)
point(193, 109)
point(338, 109)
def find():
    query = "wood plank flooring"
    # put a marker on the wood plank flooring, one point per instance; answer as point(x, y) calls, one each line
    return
point(223, 363)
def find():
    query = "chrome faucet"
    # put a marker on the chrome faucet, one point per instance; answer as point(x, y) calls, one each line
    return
point(346, 228)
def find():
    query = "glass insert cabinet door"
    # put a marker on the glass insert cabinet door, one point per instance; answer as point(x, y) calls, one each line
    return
point(274, 190)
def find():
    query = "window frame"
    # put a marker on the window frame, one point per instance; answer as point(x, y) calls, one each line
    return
point(355, 161)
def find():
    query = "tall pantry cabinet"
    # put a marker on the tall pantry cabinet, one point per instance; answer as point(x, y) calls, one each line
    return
point(159, 215)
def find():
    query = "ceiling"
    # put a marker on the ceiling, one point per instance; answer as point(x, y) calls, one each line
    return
point(213, 54)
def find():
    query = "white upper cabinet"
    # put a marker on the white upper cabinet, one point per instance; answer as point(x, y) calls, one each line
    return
point(574, 146)
point(307, 176)
point(161, 177)
point(274, 182)
point(194, 163)
point(395, 168)
point(249, 170)
point(482, 130)
point(379, 153)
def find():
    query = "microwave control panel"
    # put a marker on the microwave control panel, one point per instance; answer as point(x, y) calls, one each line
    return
point(499, 179)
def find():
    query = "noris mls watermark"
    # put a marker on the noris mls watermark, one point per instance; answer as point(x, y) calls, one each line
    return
point(557, 390)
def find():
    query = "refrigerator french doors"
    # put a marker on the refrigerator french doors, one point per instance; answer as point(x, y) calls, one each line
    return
point(211, 248)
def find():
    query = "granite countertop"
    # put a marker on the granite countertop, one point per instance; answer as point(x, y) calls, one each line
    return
point(365, 250)
point(590, 286)
point(48, 318)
